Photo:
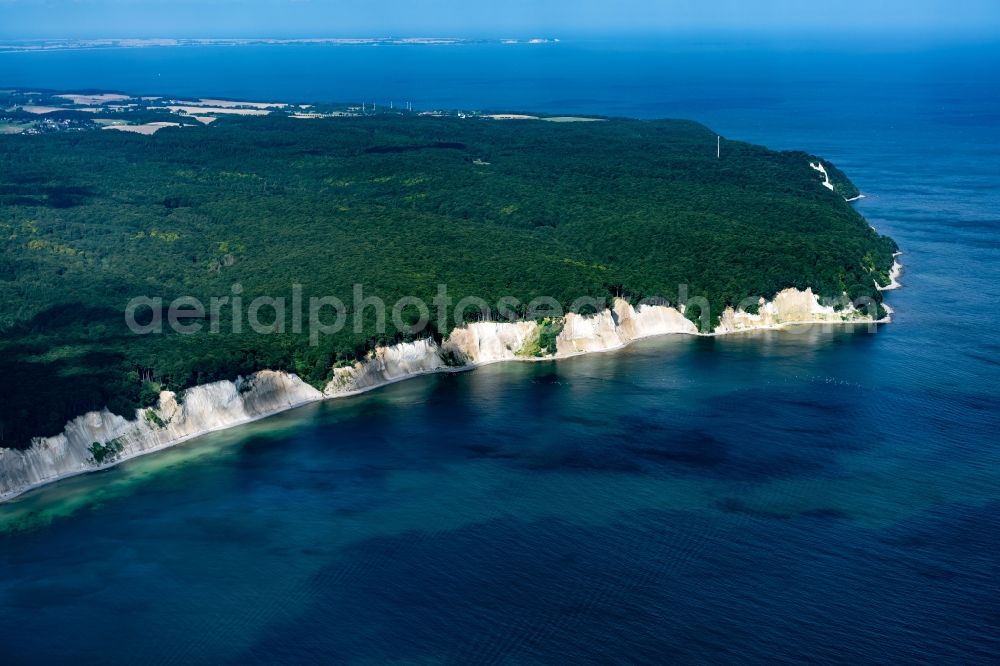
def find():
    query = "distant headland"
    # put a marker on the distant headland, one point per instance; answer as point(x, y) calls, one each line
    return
point(125, 43)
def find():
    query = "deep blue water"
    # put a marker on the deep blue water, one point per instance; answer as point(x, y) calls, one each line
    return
point(823, 495)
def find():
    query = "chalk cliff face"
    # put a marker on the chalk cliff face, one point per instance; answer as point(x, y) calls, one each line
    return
point(224, 404)
point(204, 408)
point(480, 343)
point(386, 365)
point(650, 320)
point(894, 273)
point(790, 306)
point(488, 342)
point(618, 326)
point(475, 344)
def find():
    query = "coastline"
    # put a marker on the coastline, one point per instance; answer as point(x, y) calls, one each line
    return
point(161, 447)
point(894, 273)
point(226, 404)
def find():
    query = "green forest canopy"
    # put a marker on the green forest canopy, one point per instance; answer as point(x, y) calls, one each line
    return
point(396, 203)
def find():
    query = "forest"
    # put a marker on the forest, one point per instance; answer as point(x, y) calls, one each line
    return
point(398, 203)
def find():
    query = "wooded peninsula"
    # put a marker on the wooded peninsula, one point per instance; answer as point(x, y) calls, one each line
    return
point(491, 205)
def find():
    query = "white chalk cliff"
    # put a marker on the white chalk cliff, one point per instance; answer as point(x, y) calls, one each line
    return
point(818, 166)
point(203, 409)
point(224, 404)
point(894, 273)
point(790, 306)
point(385, 365)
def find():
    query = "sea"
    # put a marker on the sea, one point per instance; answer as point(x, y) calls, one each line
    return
point(820, 494)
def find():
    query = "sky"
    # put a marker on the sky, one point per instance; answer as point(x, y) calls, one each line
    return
point(36, 19)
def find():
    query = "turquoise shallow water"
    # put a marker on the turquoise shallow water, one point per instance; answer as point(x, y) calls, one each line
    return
point(821, 494)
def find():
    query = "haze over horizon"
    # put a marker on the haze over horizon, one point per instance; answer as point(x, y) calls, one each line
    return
point(61, 19)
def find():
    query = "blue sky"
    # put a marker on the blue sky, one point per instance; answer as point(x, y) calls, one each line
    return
point(498, 18)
